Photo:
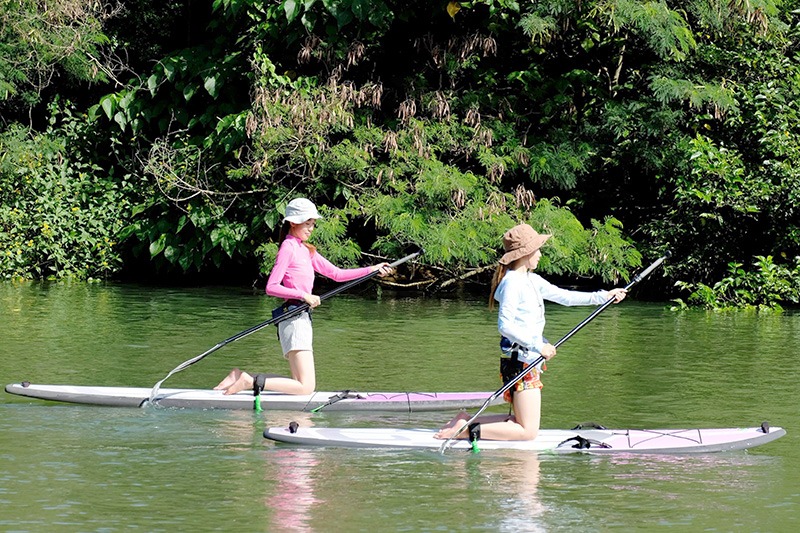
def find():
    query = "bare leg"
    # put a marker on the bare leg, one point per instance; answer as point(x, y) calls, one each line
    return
point(303, 380)
point(229, 379)
point(524, 425)
point(457, 425)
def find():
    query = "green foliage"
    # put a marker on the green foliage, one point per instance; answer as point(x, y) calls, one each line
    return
point(442, 124)
point(701, 97)
point(39, 39)
point(665, 30)
point(449, 171)
point(766, 288)
point(196, 240)
point(732, 192)
point(59, 214)
point(183, 92)
point(596, 251)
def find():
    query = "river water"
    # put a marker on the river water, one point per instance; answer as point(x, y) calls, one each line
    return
point(95, 469)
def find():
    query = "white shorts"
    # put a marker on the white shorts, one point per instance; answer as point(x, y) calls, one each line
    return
point(296, 333)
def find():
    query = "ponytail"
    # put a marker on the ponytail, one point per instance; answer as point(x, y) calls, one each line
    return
point(499, 272)
point(285, 227)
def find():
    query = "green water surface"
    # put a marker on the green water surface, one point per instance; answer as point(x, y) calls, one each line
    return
point(94, 469)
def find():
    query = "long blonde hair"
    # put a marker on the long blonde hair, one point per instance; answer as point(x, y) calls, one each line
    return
point(499, 272)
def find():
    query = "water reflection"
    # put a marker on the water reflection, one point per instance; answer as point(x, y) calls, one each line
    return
point(516, 476)
point(294, 495)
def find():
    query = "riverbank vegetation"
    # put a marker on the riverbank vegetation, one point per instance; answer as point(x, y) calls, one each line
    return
point(153, 138)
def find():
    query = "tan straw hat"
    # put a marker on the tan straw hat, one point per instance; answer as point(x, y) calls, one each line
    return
point(520, 241)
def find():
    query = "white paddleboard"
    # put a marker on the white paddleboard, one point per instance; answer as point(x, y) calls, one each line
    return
point(590, 440)
point(211, 399)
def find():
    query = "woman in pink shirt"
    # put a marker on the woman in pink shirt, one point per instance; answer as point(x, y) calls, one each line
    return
point(292, 278)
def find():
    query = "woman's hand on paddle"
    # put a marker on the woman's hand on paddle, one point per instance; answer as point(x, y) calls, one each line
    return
point(548, 351)
point(618, 294)
point(312, 300)
point(384, 269)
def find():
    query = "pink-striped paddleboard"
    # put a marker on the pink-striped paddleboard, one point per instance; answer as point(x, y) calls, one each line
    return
point(345, 400)
point(586, 440)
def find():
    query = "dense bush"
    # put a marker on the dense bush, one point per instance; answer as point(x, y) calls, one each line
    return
point(765, 287)
point(60, 214)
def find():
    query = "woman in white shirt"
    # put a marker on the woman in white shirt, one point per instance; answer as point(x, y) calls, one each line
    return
point(520, 295)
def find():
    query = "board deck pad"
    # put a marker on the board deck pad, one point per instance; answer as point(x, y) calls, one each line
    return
point(589, 440)
point(345, 400)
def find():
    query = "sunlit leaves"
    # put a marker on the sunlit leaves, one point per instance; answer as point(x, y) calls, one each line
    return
point(60, 215)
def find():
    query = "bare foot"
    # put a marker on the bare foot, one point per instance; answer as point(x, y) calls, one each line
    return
point(244, 382)
point(229, 380)
point(455, 425)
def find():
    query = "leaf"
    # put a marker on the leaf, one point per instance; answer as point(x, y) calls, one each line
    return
point(152, 84)
point(107, 103)
point(229, 245)
point(126, 100)
point(170, 253)
point(453, 8)
point(91, 113)
point(360, 9)
point(210, 86)
point(291, 9)
point(188, 91)
point(216, 236)
point(157, 246)
point(181, 223)
point(185, 261)
point(120, 119)
point(169, 71)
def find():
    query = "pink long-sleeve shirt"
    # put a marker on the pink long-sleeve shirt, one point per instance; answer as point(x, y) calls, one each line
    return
point(293, 273)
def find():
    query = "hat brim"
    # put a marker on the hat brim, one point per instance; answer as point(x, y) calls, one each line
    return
point(299, 219)
point(527, 249)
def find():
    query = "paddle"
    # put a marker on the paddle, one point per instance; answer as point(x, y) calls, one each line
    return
point(299, 309)
point(639, 277)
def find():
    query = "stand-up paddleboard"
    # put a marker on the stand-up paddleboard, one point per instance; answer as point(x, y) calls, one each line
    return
point(210, 399)
point(593, 439)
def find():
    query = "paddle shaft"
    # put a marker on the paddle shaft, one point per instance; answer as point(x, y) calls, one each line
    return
point(288, 314)
point(499, 392)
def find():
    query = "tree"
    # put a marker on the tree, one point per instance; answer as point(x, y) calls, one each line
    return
point(42, 40)
point(392, 116)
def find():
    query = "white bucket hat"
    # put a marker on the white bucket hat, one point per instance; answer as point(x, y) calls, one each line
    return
point(299, 210)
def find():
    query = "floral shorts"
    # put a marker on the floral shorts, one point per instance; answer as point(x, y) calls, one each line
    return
point(509, 369)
